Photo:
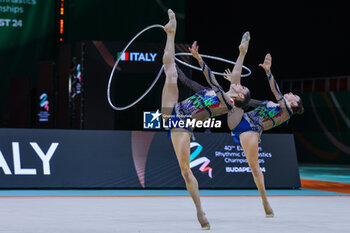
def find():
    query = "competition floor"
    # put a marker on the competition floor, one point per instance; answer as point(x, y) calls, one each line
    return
point(321, 205)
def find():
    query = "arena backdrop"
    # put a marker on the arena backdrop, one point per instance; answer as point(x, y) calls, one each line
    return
point(27, 36)
point(136, 71)
point(322, 134)
point(136, 159)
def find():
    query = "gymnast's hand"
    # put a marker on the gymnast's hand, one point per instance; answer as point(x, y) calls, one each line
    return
point(194, 51)
point(227, 74)
point(267, 64)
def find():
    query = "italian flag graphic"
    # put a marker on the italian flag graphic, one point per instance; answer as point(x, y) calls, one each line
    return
point(124, 56)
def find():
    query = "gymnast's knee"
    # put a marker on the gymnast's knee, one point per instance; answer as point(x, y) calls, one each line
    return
point(186, 174)
point(168, 57)
point(170, 72)
point(256, 170)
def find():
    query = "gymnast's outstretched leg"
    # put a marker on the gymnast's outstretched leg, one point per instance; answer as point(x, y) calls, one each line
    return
point(170, 93)
point(181, 143)
point(180, 137)
point(250, 143)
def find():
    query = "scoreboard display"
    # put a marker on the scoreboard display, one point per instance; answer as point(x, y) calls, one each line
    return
point(27, 36)
point(22, 21)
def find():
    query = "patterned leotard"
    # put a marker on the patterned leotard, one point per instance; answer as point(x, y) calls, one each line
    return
point(265, 113)
point(253, 120)
point(197, 103)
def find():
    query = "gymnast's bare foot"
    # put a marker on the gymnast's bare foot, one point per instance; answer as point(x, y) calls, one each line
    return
point(203, 221)
point(170, 27)
point(243, 47)
point(268, 211)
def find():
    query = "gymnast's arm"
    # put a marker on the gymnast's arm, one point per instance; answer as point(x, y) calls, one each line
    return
point(235, 74)
point(273, 84)
point(196, 87)
point(223, 97)
point(254, 103)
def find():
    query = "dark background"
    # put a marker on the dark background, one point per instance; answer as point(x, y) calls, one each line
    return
point(305, 42)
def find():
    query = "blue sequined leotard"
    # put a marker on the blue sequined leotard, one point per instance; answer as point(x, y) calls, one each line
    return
point(252, 121)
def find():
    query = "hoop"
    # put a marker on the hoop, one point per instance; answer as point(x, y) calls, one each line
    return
point(210, 57)
point(116, 64)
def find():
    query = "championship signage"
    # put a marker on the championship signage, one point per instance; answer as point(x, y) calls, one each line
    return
point(137, 159)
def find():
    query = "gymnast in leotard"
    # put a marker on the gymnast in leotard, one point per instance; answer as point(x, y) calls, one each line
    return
point(200, 106)
point(265, 116)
